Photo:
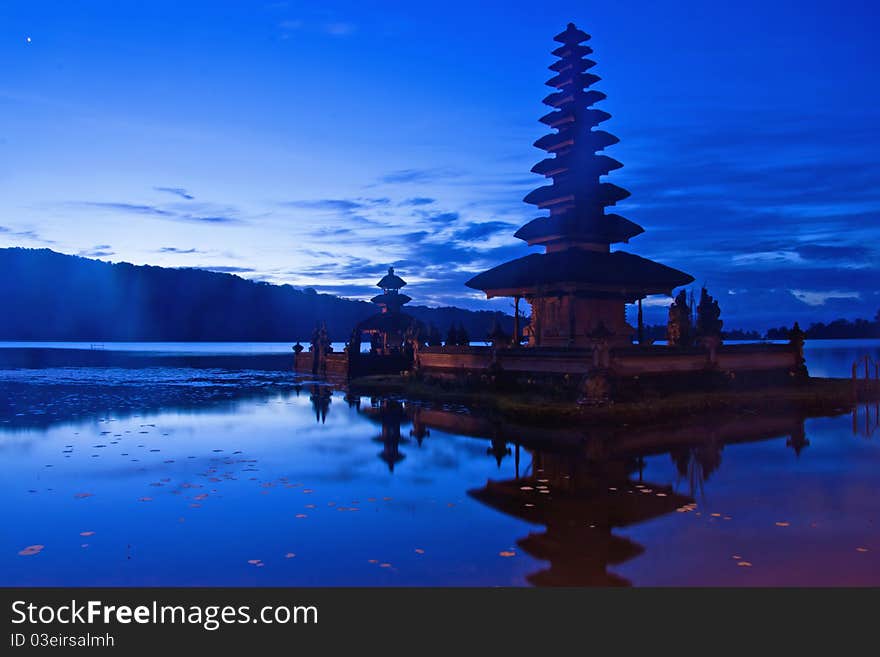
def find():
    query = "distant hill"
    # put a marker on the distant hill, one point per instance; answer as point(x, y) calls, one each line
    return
point(51, 296)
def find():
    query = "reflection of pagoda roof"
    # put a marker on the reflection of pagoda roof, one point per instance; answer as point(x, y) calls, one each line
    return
point(391, 411)
point(579, 557)
point(604, 509)
point(578, 540)
point(616, 550)
point(618, 274)
point(391, 299)
point(387, 322)
point(391, 281)
point(391, 459)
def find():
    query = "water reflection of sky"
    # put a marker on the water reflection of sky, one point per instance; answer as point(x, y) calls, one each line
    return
point(127, 477)
point(276, 463)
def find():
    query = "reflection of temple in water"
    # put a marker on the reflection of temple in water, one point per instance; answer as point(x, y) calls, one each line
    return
point(390, 414)
point(580, 502)
point(582, 485)
point(320, 397)
point(866, 419)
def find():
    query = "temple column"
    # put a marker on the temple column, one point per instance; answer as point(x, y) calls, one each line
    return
point(641, 333)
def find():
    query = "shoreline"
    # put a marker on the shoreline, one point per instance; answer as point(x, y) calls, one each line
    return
point(814, 397)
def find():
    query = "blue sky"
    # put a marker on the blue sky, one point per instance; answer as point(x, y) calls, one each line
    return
point(315, 144)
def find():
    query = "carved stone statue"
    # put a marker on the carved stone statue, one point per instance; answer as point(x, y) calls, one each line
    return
point(796, 341)
point(678, 329)
point(708, 317)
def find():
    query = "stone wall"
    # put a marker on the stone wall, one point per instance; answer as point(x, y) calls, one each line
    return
point(336, 363)
point(624, 362)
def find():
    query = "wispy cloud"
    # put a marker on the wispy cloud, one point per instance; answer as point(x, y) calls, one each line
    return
point(176, 191)
point(225, 269)
point(821, 297)
point(99, 251)
point(419, 175)
point(330, 28)
point(28, 235)
point(156, 211)
point(133, 208)
point(174, 249)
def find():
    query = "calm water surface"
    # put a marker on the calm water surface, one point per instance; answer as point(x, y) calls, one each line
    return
point(193, 473)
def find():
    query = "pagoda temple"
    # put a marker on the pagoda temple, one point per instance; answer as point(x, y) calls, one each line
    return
point(387, 328)
point(578, 288)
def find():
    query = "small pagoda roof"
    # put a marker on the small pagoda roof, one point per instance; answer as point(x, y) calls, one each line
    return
point(585, 98)
point(617, 274)
point(592, 140)
point(391, 281)
point(572, 50)
point(574, 63)
point(568, 79)
point(391, 299)
point(601, 194)
point(565, 116)
point(597, 165)
point(607, 229)
point(571, 35)
point(388, 322)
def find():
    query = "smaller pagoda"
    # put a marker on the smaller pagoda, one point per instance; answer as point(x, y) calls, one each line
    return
point(390, 329)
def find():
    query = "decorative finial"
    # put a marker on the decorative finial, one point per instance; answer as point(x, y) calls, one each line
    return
point(391, 271)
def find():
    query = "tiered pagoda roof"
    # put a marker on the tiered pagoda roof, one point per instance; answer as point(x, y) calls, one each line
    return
point(577, 233)
point(391, 298)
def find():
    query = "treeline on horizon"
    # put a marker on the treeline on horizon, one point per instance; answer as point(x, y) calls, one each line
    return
point(51, 296)
point(839, 329)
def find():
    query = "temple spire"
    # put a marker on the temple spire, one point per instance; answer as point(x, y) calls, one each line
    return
point(575, 197)
point(578, 288)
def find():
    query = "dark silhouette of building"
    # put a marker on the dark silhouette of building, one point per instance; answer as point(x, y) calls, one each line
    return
point(388, 328)
point(578, 285)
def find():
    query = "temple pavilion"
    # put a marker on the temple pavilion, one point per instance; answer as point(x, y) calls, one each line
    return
point(578, 288)
point(387, 329)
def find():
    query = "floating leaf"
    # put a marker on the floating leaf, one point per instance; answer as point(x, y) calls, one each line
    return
point(31, 550)
point(89, 533)
point(507, 553)
point(82, 496)
point(289, 555)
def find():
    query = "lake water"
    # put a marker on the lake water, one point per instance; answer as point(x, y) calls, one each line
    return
point(190, 465)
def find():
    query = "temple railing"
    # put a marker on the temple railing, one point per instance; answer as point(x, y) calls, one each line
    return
point(621, 361)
